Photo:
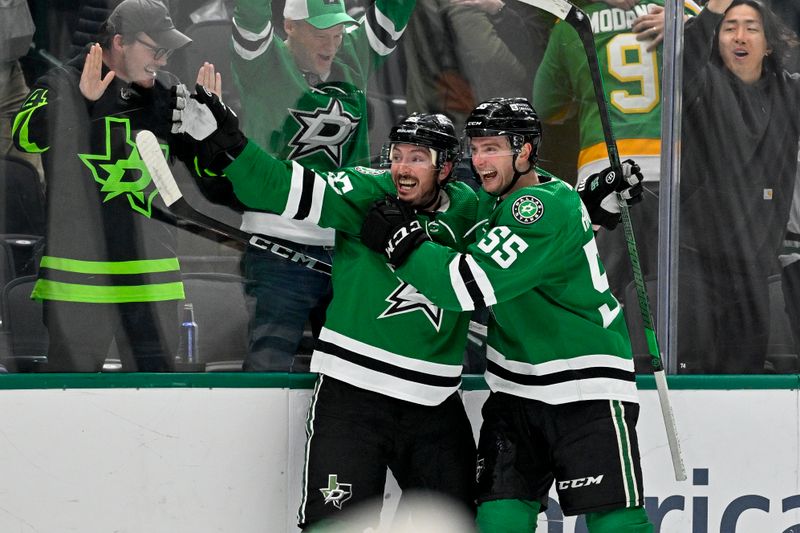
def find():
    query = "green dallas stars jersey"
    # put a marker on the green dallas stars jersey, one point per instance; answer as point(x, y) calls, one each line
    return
point(556, 333)
point(279, 113)
point(631, 78)
point(380, 334)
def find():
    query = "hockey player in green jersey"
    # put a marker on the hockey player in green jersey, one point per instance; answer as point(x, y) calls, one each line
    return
point(632, 81)
point(303, 99)
point(563, 404)
point(389, 361)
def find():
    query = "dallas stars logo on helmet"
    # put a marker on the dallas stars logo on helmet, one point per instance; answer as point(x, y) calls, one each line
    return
point(527, 209)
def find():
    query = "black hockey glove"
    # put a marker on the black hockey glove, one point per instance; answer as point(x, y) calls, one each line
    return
point(602, 192)
point(208, 125)
point(391, 228)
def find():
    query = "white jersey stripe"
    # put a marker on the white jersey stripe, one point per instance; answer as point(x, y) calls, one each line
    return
point(317, 197)
point(266, 35)
point(560, 365)
point(388, 26)
point(570, 391)
point(459, 288)
point(482, 280)
point(365, 378)
point(418, 365)
point(377, 45)
point(295, 192)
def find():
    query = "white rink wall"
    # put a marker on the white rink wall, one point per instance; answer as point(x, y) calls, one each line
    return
point(128, 460)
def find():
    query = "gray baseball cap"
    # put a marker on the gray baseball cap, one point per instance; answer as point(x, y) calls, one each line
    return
point(150, 17)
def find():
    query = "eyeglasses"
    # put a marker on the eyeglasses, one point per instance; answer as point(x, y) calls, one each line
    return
point(158, 53)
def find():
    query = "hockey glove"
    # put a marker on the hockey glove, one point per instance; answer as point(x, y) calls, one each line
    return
point(602, 192)
point(210, 126)
point(391, 228)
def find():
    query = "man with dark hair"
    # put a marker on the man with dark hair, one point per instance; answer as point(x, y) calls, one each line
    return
point(563, 405)
point(739, 161)
point(109, 270)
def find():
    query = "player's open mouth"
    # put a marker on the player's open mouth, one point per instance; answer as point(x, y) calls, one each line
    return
point(488, 175)
point(740, 53)
point(405, 184)
point(151, 71)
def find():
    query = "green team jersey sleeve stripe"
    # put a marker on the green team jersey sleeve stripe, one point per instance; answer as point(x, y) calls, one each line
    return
point(332, 199)
point(470, 283)
point(249, 45)
point(381, 32)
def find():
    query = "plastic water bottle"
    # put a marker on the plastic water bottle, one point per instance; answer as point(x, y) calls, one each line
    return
point(187, 344)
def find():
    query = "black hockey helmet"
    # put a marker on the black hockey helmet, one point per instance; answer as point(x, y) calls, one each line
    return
point(511, 117)
point(432, 130)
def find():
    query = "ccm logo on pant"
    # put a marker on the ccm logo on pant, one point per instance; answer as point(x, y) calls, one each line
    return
point(580, 482)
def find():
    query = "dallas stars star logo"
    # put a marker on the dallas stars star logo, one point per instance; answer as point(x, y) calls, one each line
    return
point(322, 130)
point(122, 175)
point(406, 299)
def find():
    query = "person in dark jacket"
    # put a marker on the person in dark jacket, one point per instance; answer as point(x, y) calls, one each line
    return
point(109, 269)
point(739, 158)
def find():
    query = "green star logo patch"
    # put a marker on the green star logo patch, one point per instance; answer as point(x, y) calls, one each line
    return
point(527, 209)
point(123, 173)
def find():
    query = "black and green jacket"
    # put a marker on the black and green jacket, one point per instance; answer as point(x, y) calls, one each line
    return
point(104, 242)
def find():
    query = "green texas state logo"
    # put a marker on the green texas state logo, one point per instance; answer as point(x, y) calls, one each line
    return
point(527, 209)
point(122, 172)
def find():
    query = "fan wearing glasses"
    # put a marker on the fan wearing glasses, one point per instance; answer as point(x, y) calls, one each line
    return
point(121, 280)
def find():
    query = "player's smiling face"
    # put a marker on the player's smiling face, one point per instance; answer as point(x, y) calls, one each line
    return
point(414, 173)
point(313, 49)
point(492, 158)
point(742, 42)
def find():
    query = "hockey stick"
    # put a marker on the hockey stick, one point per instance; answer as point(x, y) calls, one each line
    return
point(153, 157)
point(580, 22)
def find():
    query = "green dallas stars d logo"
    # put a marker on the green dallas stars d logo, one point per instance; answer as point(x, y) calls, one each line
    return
point(120, 174)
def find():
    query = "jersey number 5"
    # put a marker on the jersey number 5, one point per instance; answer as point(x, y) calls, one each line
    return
point(503, 246)
point(600, 282)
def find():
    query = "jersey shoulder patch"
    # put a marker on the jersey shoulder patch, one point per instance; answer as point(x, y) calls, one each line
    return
point(527, 209)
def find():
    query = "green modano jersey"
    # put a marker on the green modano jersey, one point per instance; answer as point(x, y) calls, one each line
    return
point(292, 120)
point(380, 334)
point(556, 333)
point(631, 79)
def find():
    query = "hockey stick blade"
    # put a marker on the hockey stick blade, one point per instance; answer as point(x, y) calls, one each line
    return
point(576, 18)
point(153, 157)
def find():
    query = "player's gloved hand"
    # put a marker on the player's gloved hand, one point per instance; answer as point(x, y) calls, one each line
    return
point(391, 228)
point(210, 126)
point(602, 192)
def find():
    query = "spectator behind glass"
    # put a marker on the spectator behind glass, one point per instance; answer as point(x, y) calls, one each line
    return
point(109, 269)
point(16, 32)
point(739, 158)
point(632, 82)
point(303, 99)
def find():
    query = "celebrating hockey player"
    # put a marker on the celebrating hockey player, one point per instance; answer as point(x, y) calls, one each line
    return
point(389, 361)
point(563, 405)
